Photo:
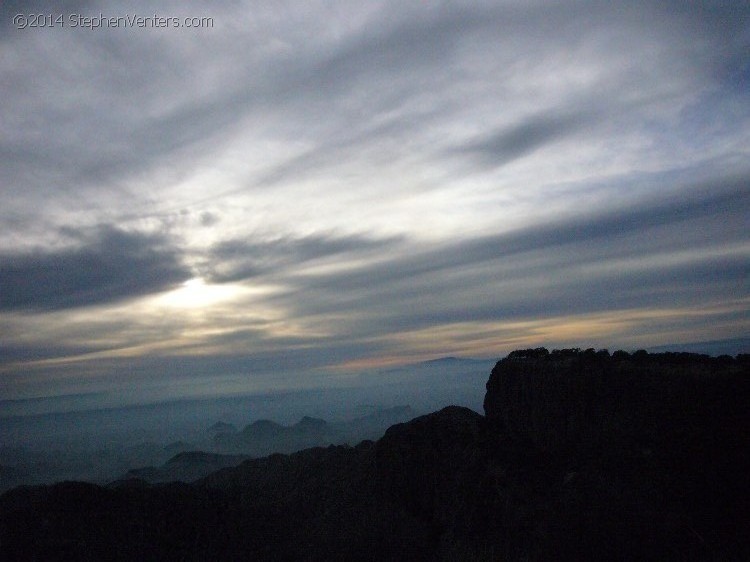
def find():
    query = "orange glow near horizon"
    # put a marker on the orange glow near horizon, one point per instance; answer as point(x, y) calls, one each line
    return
point(494, 340)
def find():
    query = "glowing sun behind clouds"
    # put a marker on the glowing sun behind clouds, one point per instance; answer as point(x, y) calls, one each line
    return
point(196, 293)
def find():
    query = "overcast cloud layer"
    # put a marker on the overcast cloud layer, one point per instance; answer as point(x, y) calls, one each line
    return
point(299, 190)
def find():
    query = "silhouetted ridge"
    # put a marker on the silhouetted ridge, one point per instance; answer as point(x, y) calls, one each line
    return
point(581, 455)
point(311, 424)
point(263, 427)
point(573, 397)
point(187, 466)
point(194, 457)
point(421, 462)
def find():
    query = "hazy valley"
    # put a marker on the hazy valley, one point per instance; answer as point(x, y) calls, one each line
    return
point(580, 455)
point(105, 444)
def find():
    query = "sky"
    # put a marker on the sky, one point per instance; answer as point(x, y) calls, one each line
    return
point(286, 193)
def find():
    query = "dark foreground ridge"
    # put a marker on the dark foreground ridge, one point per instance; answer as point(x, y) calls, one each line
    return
point(580, 456)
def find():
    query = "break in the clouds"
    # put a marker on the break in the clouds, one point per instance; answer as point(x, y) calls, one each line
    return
point(318, 186)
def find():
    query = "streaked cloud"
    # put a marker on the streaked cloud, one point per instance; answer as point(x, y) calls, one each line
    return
point(235, 260)
point(105, 265)
point(523, 138)
point(306, 186)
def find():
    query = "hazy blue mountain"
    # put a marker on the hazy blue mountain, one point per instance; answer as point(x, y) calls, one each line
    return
point(263, 437)
point(222, 427)
point(185, 467)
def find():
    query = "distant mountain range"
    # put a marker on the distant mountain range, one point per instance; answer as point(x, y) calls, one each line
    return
point(264, 437)
point(102, 445)
point(581, 455)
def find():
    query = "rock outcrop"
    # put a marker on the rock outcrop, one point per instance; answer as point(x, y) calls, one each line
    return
point(584, 400)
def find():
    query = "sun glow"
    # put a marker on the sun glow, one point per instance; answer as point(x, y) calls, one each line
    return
point(196, 293)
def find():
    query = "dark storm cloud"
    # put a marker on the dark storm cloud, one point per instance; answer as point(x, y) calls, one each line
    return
point(243, 259)
point(105, 266)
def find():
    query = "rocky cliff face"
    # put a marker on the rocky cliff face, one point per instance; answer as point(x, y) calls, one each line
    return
point(584, 400)
point(640, 455)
